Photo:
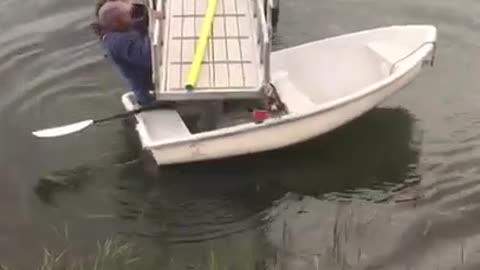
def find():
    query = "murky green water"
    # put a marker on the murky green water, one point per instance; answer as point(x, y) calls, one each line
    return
point(396, 189)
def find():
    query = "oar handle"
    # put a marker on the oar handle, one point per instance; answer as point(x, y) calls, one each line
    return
point(150, 107)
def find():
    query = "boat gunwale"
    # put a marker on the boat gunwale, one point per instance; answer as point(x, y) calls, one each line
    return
point(401, 72)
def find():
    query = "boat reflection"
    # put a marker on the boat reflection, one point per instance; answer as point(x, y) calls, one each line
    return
point(378, 152)
point(368, 159)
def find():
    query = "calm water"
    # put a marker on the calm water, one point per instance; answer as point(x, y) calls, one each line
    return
point(397, 189)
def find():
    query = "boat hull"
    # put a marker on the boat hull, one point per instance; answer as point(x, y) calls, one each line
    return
point(277, 133)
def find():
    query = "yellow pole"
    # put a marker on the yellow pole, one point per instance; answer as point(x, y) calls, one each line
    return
point(202, 43)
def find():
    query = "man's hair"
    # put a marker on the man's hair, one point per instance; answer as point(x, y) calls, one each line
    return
point(110, 11)
point(99, 4)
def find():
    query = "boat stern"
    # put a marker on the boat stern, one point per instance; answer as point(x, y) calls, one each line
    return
point(158, 127)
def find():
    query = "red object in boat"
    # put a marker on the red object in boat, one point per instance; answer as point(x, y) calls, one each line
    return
point(260, 115)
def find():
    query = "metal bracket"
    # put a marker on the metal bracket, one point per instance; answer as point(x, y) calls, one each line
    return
point(429, 62)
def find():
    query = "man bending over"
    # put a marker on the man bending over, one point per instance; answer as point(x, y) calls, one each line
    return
point(127, 44)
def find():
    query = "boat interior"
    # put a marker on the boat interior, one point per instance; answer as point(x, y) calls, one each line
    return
point(336, 68)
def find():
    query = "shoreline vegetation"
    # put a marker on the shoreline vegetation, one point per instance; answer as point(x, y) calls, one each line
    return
point(112, 254)
point(116, 253)
point(109, 255)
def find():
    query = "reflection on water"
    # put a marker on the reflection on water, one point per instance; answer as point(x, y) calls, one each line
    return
point(239, 199)
point(367, 159)
point(344, 200)
point(338, 211)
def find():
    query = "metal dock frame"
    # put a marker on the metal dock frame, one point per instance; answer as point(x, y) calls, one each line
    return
point(237, 64)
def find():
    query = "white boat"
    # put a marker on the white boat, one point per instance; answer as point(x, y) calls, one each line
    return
point(324, 84)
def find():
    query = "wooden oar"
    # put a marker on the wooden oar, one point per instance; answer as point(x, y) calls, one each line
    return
point(81, 125)
point(201, 47)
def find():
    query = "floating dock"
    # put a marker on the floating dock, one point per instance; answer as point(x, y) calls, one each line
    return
point(236, 62)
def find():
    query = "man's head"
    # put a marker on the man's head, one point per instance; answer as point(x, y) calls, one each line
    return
point(115, 16)
point(99, 4)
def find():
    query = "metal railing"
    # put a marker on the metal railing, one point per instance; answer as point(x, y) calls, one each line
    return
point(264, 35)
point(157, 38)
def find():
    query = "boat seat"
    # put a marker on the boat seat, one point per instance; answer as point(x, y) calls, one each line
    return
point(296, 101)
point(161, 125)
point(389, 53)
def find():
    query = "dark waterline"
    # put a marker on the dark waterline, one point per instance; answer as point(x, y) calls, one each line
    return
point(396, 189)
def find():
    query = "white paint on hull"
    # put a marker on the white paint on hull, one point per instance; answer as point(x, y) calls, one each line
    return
point(343, 77)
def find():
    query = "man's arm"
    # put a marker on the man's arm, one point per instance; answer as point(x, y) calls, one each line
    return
point(134, 49)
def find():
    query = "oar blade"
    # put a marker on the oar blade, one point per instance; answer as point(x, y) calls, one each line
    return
point(63, 130)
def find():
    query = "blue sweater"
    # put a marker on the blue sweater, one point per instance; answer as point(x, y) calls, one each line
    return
point(130, 51)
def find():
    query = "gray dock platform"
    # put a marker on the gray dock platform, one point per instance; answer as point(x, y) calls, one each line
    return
point(234, 64)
